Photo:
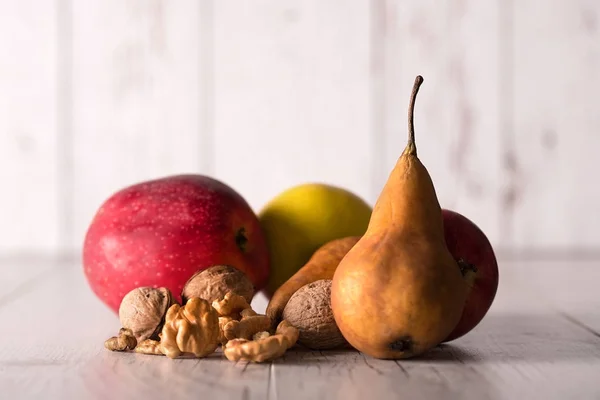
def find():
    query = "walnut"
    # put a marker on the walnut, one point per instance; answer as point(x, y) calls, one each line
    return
point(213, 283)
point(247, 312)
point(143, 311)
point(247, 327)
point(231, 305)
point(261, 335)
point(309, 310)
point(223, 321)
point(125, 341)
point(149, 346)
point(231, 308)
point(193, 328)
point(265, 349)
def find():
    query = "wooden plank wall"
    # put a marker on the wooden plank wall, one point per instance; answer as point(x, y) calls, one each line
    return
point(30, 135)
point(556, 125)
point(292, 95)
point(95, 95)
point(455, 45)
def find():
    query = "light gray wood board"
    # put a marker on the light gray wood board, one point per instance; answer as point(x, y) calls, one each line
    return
point(29, 125)
point(55, 350)
point(52, 337)
point(21, 275)
point(524, 348)
point(569, 288)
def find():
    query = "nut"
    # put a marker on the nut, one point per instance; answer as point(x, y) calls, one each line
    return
point(149, 346)
point(125, 341)
point(247, 312)
point(231, 309)
point(143, 311)
point(193, 328)
point(212, 284)
point(309, 310)
point(261, 335)
point(247, 327)
point(231, 305)
point(223, 321)
point(264, 349)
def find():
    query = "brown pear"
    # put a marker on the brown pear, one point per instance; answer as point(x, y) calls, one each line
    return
point(399, 292)
point(321, 265)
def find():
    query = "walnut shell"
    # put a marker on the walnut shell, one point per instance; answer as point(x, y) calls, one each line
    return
point(143, 311)
point(309, 310)
point(212, 284)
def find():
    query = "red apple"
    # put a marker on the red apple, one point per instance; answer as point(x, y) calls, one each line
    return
point(471, 248)
point(160, 232)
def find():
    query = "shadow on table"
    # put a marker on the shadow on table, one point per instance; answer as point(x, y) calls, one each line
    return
point(521, 337)
point(498, 338)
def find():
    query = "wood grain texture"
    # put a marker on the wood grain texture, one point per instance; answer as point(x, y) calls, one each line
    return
point(454, 45)
point(292, 96)
point(137, 103)
point(29, 137)
point(97, 95)
point(56, 350)
point(32, 271)
point(570, 288)
point(556, 99)
point(525, 348)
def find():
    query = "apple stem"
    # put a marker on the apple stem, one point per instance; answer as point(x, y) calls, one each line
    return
point(411, 148)
point(466, 266)
point(241, 240)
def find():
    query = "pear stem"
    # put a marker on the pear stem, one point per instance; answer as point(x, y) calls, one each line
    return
point(411, 148)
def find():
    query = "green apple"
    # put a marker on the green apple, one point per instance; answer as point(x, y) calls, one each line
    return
point(303, 218)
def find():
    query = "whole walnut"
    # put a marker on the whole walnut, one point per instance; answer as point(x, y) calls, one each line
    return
point(143, 311)
point(212, 284)
point(309, 310)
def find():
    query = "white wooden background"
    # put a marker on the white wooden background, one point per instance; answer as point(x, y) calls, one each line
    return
point(266, 94)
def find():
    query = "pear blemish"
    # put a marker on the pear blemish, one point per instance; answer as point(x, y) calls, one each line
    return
point(403, 344)
point(399, 292)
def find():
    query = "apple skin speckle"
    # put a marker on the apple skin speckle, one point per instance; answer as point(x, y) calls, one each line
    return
point(160, 232)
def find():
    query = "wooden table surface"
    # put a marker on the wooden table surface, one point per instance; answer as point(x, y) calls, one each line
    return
point(540, 340)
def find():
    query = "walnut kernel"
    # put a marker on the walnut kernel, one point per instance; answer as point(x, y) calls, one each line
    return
point(247, 327)
point(261, 335)
point(231, 305)
point(265, 348)
point(125, 341)
point(193, 328)
point(149, 346)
